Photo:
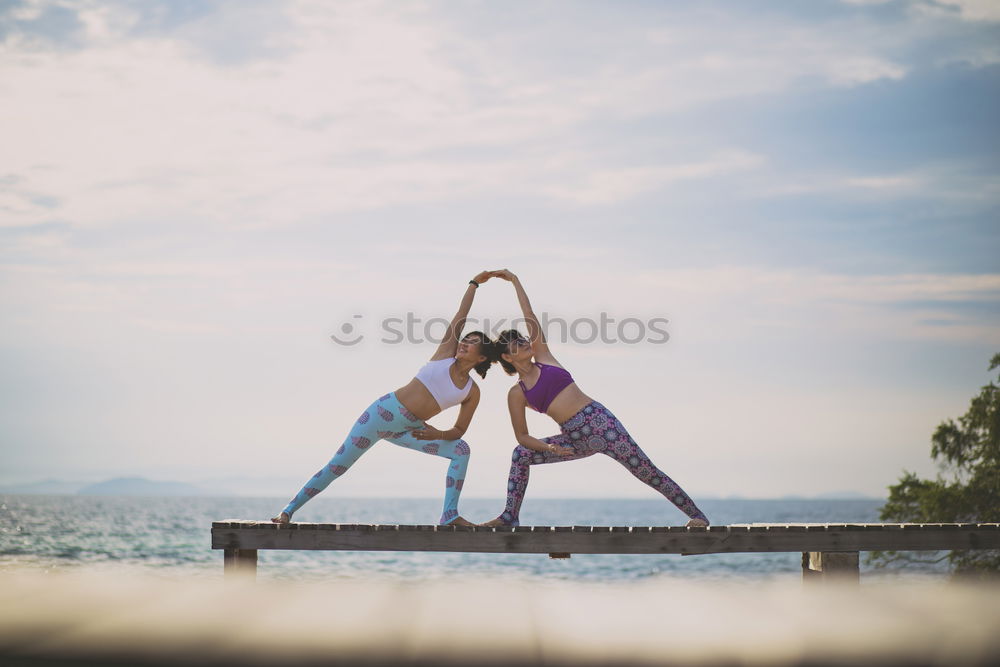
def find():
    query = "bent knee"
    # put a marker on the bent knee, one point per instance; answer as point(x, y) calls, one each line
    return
point(462, 449)
point(521, 454)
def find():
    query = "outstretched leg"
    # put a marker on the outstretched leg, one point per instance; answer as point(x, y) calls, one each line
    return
point(625, 450)
point(383, 418)
point(458, 452)
point(517, 480)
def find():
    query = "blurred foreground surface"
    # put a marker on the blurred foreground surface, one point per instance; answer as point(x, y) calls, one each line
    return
point(87, 618)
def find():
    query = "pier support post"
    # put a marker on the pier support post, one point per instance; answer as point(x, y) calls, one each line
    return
point(831, 566)
point(242, 562)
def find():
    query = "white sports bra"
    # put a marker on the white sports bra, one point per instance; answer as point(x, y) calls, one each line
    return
point(436, 376)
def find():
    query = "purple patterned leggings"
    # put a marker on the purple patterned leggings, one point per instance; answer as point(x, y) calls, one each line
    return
point(593, 430)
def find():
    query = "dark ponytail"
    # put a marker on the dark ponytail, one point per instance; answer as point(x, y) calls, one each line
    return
point(488, 349)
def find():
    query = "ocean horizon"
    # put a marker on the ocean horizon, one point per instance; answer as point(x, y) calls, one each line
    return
point(135, 485)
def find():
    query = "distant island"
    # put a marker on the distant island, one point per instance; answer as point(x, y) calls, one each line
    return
point(121, 486)
point(50, 487)
point(829, 495)
point(844, 495)
point(139, 486)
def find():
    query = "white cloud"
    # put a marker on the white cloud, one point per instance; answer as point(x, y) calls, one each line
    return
point(882, 182)
point(28, 10)
point(972, 10)
point(605, 186)
point(975, 10)
point(956, 183)
point(366, 110)
point(863, 69)
point(739, 303)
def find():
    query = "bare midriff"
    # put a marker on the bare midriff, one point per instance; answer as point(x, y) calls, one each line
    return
point(567, 403)
point(416, 398)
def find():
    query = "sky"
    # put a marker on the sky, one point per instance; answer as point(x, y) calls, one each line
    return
point(792, 206)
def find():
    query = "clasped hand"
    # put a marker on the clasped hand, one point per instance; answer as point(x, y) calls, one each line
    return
point(483, 276)
point(427, 433)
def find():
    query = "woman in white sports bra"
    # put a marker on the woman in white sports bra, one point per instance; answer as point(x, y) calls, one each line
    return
point(400, 417)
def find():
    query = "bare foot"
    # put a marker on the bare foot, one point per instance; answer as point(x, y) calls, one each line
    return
point(493, 524)
point(696, 523)
point(462, 522)
point(282, 518)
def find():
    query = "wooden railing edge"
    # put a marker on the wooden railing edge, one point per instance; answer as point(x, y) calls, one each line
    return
point(827, 549)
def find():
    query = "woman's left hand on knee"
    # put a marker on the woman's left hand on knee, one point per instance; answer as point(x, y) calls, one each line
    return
point(427, 433)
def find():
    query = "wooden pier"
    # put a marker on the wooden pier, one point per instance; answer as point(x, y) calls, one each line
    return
point(828, 550)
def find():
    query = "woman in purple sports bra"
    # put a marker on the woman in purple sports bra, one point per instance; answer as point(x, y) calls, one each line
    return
point(587, 426)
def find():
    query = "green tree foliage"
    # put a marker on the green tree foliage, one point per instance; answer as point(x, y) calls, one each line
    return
point(967, 489)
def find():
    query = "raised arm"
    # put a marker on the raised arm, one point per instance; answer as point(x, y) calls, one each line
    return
point(517, 404)
point(539, 345)
point(449, 344)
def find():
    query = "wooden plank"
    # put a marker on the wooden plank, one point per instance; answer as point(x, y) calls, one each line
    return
point(619, 539)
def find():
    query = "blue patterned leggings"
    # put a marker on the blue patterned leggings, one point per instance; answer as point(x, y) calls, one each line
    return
point(387, 419)
point(593, 430)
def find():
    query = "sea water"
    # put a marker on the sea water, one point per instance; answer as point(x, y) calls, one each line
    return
point(170, 536)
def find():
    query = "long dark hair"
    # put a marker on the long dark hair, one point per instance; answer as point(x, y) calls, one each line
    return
point(487, 348)
point(502, 344)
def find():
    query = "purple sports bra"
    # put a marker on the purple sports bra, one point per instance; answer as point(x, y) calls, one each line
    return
point(551, 381)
